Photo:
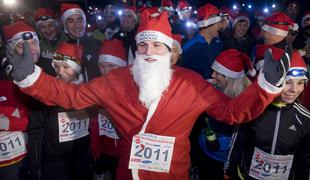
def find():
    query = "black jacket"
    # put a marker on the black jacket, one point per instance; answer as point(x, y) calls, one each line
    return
point(287, 138)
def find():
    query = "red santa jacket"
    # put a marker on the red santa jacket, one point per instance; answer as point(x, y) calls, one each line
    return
point(186, 97)
point(13, 120)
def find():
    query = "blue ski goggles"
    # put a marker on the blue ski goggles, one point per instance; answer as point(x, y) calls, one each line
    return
point(297, 73)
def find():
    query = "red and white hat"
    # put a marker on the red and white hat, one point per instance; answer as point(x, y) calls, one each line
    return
point(68, 9)
point(177, 41)
point(298, 67)
point(241, 17)
point(167, 5)
point(155, 27)
point(232, 63)
point(278, 23)
point(70, 54)
point(277, 53)
point(18, 32)
point(183, 5)
point(306, 16)
point(208, 15)
point(113, 51)
point(44, 14)
point(131, 10)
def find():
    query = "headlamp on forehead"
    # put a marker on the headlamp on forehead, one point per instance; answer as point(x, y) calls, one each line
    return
point(297, 73)
point(27, 36)
point(45, 17)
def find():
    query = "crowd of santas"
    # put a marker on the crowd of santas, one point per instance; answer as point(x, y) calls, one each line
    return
point(39, 141)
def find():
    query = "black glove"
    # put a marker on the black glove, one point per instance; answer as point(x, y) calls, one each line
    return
point(18, 67)
point(275, 71)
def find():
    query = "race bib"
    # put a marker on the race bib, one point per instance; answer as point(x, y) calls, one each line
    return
point(151, 152)
point(12, 144)
point(72, 125)
point(106, 127)
point(270, 167)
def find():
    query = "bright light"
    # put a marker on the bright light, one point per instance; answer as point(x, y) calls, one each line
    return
point(243, 4)
point(90, 7)
point(9, 2)
point(273, 5)
point(266, 10)
point(234, 7)
point(99, 17)
point(195, 12)
point(250, 6)
point(120, 12)
point(88, 25)
point(96, 9)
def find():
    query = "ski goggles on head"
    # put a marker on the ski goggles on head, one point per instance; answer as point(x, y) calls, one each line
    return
point(45, 17)
point(297, 73)
point(27, 36)
point(61, 57)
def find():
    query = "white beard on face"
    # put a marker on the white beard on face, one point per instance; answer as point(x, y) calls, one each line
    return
point(152, 78)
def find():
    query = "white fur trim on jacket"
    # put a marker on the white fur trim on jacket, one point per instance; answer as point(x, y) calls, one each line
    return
point(262, 82)
point(30, 79)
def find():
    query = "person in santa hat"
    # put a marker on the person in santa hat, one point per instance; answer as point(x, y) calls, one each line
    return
point(13, 132)
point(239, 37)
point(176, 49)
point(51, 35)
point(274, 33)
point(74, 21)
point(231, 68)
point(266, 147)
point(106, 144)
point(17, 33)
point(200, 52)
point(127, 31)
point(64, 151)
point(142, 100)
point(167, 5)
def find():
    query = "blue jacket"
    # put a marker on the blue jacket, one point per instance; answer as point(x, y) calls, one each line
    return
point(201, 55)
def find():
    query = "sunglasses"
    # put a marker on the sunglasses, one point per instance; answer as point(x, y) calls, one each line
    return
point(297, 73)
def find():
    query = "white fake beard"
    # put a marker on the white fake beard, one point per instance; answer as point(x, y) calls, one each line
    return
point(152, 78)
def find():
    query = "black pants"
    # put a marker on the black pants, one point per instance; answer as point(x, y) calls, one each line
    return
point(68, 168)
point(13, 172)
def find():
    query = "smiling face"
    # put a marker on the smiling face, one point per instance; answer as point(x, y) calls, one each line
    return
point(48, 29)
point(292, 89)
point(150, 48)
point(34, 45)
point(75, 25)
point(64, 71)
point(241, 28)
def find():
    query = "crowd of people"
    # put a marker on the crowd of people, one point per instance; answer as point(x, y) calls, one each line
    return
point(155, 93)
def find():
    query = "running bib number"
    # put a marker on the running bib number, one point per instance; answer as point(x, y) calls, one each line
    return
point(151, 152)
point(12, 144)
point(72, 125)
point(269, 167)
point(106, 128)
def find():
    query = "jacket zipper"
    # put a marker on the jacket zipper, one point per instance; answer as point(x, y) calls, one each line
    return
point(276, 132)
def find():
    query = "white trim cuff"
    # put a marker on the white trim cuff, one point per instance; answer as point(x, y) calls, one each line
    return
point(30, 79)
point(265, 85)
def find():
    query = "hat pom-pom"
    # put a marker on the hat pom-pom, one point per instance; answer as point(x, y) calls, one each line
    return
point(252, 72)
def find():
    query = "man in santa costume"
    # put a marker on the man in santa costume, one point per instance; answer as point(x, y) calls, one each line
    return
point(154, 105)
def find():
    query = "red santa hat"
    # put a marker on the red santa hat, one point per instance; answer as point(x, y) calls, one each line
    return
point(155, 27)
point(278, 23)
point(177, 41)
point(306, 16)
point(68, 9)
point(183, 5)
point(18, 32)
point(131, 10)
point(208, 15)
point(298, 68)
point(113, 51)
point(241, 17)
point(44, 14)
point(167, 5)
point(232, 63)
point(70, 54)
point(260, 53)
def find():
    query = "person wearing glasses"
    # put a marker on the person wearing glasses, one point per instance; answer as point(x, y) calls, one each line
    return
point(273, 146)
